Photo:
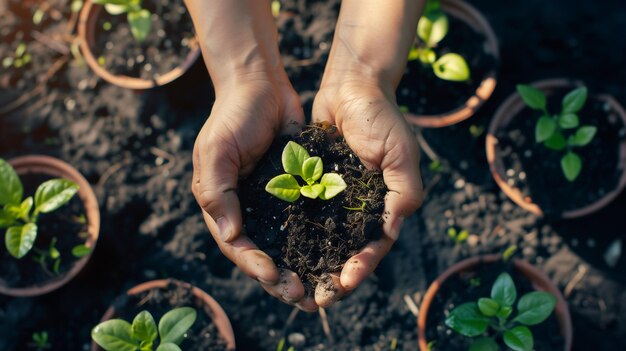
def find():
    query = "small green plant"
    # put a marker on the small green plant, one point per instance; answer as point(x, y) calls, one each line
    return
point(552, 129)
point(19, 59)
point(20, 215)
point(473, 319)
point(297, 162)
point(138, 17)
point(142, 334)
point(432, 28)
point(458, 236)
point(40, 340)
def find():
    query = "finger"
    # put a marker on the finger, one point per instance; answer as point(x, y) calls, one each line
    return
point(246, 255)
point(329, 290)
point(308, 304)
point(361, 265)
point(288, 288)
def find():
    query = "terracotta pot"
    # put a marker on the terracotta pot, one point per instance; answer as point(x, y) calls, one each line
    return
point(507, 112)
point(468, 14)
point(211, 308)
point(539, 280)
point(58, 169)
point(86, 32)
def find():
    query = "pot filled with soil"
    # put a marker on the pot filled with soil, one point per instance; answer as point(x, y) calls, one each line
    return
point(486, 303)
point(452, 67)
point(325, 206)
point(137, 46)
point(51, 221)
point(166, 315)
point(558, 150)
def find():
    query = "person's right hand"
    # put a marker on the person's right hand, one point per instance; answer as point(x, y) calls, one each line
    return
point(249, 112)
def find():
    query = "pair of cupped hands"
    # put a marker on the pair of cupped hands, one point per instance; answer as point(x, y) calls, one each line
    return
point(247, 116)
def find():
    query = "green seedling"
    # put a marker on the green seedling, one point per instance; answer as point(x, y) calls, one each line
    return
point(458, 236)
point(473, 319)
point(19, 59)
point(561, 131)
point(432, 28)
point(275, 8)
point(40, 340)
point(297, 162)
point(509, 252)
point(436, 166)
point(138, 18)
point(20, 215)
point(142, 334)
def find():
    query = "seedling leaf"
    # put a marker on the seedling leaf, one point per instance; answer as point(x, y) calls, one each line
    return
point(575, 100)
point(175, 323)
point(115, 9)
point(571, 164)
point(333, 184)
point(488, 307)
point(168, 347)
point(544, 129)
point(432, 28)
point(556, 141)
point(11, 190)
point(503, 290)
point(534, 307)
point(568, 121)
point(114, 335)
point(293, 158)
point(452, 67)
point(54, 193)
point(20, 239)
point(583, 136)
point(484, 344)
point(80, 251)
point(144, 328)
point(519, 339)
point(284, 187)
point(312, 191)
point(532, 97)
point(140, 24)
point(467, 320)
point(312, 169)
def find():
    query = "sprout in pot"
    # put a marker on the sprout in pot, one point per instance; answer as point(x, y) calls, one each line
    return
point(138, 17)
point(432, 28)
point(496, 314)
point(562, 131)
point(142, 334)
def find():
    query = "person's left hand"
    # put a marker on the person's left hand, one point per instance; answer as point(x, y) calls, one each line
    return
point(376, 131)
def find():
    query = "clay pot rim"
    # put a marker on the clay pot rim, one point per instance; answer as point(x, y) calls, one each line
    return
point(58, 168)
point(212, 309)
point(86, 29)
point(472, 17)
point(508, 110)
point(538, 278)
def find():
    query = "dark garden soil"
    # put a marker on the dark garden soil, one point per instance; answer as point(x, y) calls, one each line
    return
point(314, 237)
point(165, 48)
point(469, 287)
point(136, 151)
point(66, 226)
point(202, 335)
point(423, 93)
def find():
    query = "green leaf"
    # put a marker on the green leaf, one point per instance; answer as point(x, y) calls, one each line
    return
point(144, 328)
point(583, 136)
point(571, 164)
point(6, 220)
point(574, 100)
point(11, 189)
point(544, 129)
point(284, 187)
point(533, 97)
point(568, 121)
point(79, 251)
point(115, 9)
point(333, 184)
point(432, 28)
point(427, 56)
point(57, 264)
point(504, 312)
point(519, 339)
point(21, 211)
point(488, 307)
point(114, 2)
point(484, 344)
point(114, 335)
point(20, 50)
point(556, 141)
point(293, 158)
point(534, 307)
point(312, 191)
point(414, 54)
point(54, 193)
point(168, 347)
point(467, 320)
point(463, 235)
point(76, 5)
point(452, 67)
point(140, 24)
point(275, 8)
point(175, 323)
point(312, 169)
point(503, 290)
point(19, 240)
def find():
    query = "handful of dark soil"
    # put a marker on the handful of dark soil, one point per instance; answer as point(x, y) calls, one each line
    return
point(312, 236)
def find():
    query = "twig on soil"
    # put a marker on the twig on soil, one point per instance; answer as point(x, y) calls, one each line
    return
point(411, 305)
point(303, 62)
point(56, 45)
point(171, 159)
point(110, 171)
point(326, 326)
point(432, 184)
point(432, 155)
point(582, 270)
point(291, 318)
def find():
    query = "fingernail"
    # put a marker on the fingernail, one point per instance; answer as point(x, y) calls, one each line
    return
point(397, 226)
point(263, 281)
point(224, 227)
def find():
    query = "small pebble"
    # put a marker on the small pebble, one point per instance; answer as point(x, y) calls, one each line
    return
point(459, 183)
point(70, 104)
point(249, 209)
point(521, 175)
point(140, 58)
point(296, 339)
point(147, 67)
point(108, 45)
point(323, 45)
point(510, 172)
point(528, 153)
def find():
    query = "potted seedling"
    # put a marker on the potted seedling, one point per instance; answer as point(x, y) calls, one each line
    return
point(326, 206)
point(49, 233)
point(137, 44)
point(188, 319)
point(555, 148)
point(478, 300)
point(454, 61)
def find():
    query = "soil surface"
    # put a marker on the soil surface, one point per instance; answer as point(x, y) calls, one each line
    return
point(136, 151)
point(66, 226)
point(202, 335)
point(314, 237)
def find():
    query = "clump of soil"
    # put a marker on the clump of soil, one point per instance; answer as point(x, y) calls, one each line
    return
point(203, 334)
point(66, 225)
point(536, 170)
point(471, 285)
point(313, 237)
